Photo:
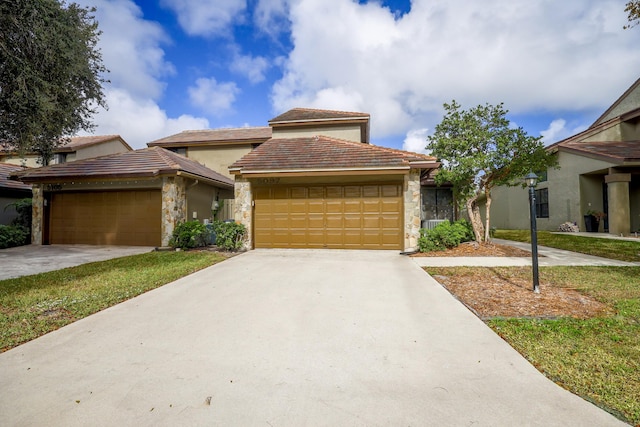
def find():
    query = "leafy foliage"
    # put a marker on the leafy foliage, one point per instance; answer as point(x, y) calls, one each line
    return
point(229, 235)
point(23, 207)
point(445, 236)
point(50, 73)
point(189, 234)
point(633, 9)
point(13, 235)
point(480, 150)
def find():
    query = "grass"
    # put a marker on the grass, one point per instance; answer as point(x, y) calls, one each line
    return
point(623, 250)
point(596, 358)
point(31, 306)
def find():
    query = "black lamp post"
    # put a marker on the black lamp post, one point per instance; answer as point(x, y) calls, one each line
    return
point(531, 181)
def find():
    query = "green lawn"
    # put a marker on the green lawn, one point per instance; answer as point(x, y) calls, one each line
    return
point(31, 306)
point(596, 358)
point(622, 250)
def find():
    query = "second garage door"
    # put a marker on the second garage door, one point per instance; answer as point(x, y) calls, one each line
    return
point(130, 218)
point(368, 216)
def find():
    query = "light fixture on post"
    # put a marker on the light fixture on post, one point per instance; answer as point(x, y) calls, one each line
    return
point(531, 180)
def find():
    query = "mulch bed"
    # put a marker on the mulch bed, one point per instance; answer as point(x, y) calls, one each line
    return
point(473, 249)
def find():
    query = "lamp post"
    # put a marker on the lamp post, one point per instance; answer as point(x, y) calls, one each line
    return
point(531, 180)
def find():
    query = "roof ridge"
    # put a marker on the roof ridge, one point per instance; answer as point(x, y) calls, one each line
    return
point(389, 149)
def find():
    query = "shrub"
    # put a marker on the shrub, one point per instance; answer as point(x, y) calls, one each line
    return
point(229, 235)
point(23, 207)
point(445, 236)
point(14, 235)
point(190, 234)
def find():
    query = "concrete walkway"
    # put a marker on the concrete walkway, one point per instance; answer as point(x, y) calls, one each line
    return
point(34, 259)
point(285, 338)
point(547, 257)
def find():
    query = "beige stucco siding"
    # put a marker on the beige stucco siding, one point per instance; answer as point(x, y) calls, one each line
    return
point(218, 158)
point(608, 134)
point(110, 147)
point(510, 209)
point(347, 131)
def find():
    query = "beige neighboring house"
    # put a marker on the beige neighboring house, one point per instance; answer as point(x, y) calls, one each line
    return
point(133, 198)
point(599, 171)
point(78, 148)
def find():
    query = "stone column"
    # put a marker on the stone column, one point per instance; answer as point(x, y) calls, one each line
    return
point(243, 207)
point(37, 214)
point(619, 205)
point(174, 205)
point(412, 224)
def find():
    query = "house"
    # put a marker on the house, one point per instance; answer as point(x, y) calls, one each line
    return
point(132, 198)
point(599, 171)
point(318, 183)
point(10, 192)
point(77, 148)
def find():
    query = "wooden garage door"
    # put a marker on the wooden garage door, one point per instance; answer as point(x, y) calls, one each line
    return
point(129, 218)
point(329, 216)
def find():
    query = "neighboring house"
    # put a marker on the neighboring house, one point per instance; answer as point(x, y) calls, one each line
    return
point(306, 189)
point(132, 198)
point(599, 171)
point(78, 148)
point(10, 192)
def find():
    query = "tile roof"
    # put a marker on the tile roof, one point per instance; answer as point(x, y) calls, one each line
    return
point(321, 152)
point(309, 114)
point(7, 169)
point(614, 151)
point(148, 162)
point(214, 136)
point(77, 142)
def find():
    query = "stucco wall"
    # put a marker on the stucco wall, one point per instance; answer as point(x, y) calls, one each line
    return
point(102, 149)
point(349, 132)
point(510, 205)
point(218, 158)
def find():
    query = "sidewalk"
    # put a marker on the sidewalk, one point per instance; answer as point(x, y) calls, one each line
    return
point(547, 257)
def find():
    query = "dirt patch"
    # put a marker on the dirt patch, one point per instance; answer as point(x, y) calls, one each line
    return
point(472, 249)
point(490, 294)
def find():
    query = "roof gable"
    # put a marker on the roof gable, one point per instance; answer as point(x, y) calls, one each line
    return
point(310, 114)
point(148, 162)
point(628, 101)
point(327, 154)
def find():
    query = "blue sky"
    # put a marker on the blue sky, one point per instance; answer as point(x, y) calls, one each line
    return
point(194, 64)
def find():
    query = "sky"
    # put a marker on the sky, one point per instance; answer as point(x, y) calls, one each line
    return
point(176, 65)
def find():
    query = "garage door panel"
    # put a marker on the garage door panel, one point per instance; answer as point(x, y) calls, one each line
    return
point(106, 218)
point(329, 216)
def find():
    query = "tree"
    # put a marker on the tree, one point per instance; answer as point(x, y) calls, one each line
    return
point(50, 74)
point(480, 150)
point(633, 9)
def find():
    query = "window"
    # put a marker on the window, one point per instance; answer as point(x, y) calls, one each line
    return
point(437, 203)
point(542, 203)
point(542, 176)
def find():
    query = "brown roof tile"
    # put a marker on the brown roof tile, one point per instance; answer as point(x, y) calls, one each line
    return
point(148, 162)
point(321, 152)
point(614, 151)
point(77, 142)
point(215, 136)
point(309, 114)
point(6, 170)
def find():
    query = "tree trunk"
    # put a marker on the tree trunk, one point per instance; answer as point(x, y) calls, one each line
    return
point(487, 229)
point(474, 216)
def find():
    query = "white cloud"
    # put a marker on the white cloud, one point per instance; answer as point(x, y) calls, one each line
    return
point(558, 130)
point(416, 141)
point(271, 16)
point(533, 56)
point(253, 67)
point(213, 97)
point(207, 17)
point(141, 121)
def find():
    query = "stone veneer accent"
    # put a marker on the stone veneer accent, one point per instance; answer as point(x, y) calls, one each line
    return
point(243, 207)
point(412, 224)
point(37, 214)
point(174, 206)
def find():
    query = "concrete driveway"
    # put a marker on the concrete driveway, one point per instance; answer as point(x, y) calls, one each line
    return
point(285, 338)
point(34, 259)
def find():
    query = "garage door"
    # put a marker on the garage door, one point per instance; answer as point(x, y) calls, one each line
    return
point(329, 216)
point(106, 218)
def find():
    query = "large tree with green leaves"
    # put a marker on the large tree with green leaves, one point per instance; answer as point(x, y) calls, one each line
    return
point(50, 74)
point(479, 150)
point(633, 10)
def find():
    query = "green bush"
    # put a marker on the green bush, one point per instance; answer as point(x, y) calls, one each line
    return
point(23, 208)
point(190, 234)
point(14, 235)
point(229, 235)
point(445, 236)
